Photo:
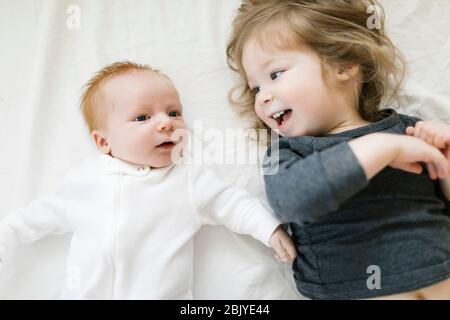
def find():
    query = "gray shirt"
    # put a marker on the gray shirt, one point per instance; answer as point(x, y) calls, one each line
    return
point(344, 225)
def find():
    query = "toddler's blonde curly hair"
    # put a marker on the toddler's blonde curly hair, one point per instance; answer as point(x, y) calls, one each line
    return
point(337, 30)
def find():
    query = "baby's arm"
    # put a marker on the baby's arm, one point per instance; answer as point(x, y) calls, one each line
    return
point(219, 203)
point(307, 188)
point(437, 135)
point(42, 217)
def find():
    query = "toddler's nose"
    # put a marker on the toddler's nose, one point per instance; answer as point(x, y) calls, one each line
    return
point(264, 98)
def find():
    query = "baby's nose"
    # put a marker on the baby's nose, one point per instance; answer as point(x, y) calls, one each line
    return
point(165, 123)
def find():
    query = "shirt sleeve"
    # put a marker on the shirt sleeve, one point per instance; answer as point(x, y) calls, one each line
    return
point(44, 216)
point(221, 204)
point(303, 189)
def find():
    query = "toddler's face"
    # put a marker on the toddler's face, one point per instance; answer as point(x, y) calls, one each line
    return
point(143, 111)
point(291, 95)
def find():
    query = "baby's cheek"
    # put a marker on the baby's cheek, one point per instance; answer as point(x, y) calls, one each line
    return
point(181, 121)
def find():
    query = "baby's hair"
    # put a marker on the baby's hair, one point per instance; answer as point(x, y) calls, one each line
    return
point(335, 29)
point(93, 112)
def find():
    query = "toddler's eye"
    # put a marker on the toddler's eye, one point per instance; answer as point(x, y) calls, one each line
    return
point(255, 90)
point(275, 74)
point(142, 117)
point(174, 114)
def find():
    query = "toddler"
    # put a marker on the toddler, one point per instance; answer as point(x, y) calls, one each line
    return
point(365, 190)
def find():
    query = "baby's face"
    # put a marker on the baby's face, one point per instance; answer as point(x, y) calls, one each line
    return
point(291, 95)
point(143, 111)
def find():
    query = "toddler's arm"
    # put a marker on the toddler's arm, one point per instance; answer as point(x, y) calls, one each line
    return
point(306, 188)
point(42, 217)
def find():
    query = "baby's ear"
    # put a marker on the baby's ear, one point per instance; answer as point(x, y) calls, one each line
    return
point(101, 142)
point(348, 72)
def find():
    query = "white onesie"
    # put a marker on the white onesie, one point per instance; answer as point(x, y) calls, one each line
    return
point(133, 226)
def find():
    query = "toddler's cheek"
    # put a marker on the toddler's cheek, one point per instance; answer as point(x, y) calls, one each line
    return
point(261, 116)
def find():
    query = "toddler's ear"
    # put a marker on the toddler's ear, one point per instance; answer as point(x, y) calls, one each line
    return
point(349, 72)
point(101, 142)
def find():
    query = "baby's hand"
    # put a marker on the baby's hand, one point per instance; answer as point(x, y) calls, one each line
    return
point(435, 134)
point(283, 245)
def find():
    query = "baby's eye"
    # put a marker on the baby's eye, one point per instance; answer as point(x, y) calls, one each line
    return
point(255, 90)
point(174, 114)
point(275, 74)
point(142, 117)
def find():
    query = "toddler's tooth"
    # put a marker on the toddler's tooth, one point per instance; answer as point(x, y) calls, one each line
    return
point(278, 114)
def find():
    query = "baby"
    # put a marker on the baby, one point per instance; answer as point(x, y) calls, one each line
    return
point(366, 219)
point(133, 211)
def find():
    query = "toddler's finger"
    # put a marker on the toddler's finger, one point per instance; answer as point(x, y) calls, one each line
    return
point(446, 153)
point(445, 171)
point(440, 163)
point(410, 131)
point(432, 172)
point(428, 137)
point(439, 141)
point(415, 168)
point(418, 129)
point(438, 171)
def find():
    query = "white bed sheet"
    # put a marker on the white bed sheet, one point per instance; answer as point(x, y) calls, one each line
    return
point(43, 64)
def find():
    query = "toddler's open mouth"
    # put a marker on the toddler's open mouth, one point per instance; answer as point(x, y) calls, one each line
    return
point(282, 116)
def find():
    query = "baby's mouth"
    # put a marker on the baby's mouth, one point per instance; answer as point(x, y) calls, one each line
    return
point(282, 116)
point(166, 145)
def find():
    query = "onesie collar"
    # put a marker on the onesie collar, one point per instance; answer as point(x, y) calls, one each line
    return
point(110, 165)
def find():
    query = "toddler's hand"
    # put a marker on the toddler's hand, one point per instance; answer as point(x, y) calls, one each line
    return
point(283, 245)
point(435, 134)
point(411, 152)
